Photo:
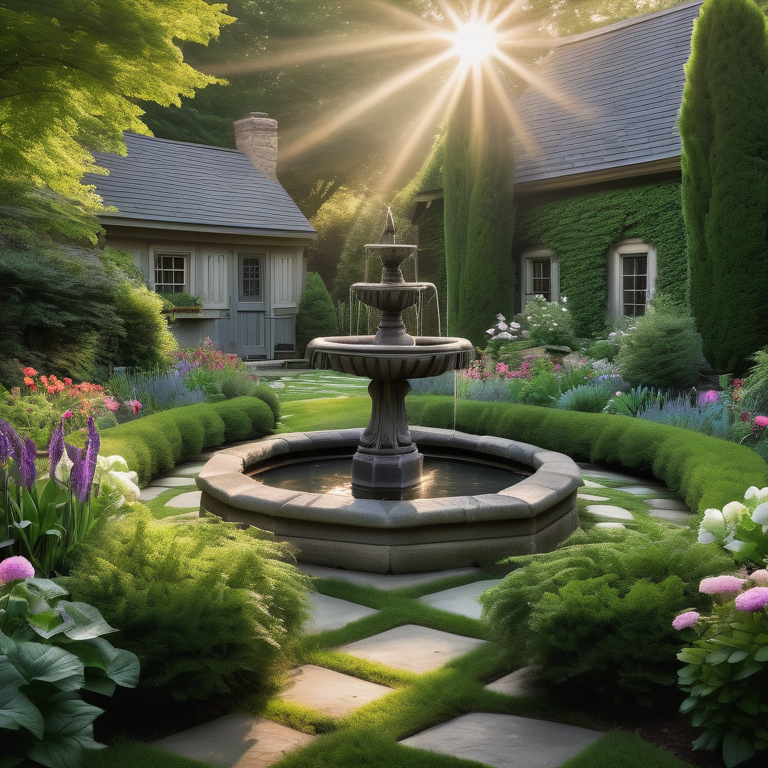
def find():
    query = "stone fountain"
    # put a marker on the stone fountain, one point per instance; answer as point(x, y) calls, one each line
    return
point(390, 516)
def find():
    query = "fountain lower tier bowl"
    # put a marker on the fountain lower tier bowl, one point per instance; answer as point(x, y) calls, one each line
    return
point(360, 356)
point(393, 536)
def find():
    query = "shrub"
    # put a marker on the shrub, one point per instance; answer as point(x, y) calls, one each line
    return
point(315, 315)
point(726, 671)
point(156, 390)
point(663, 350)
point(156, 443)
point(206, 607)
point(681, 459)
point(549, 322)
point(594, 616)
point(269, 396)
point(50, 649)
point(237, 386)
point(586, 398)
point(754, 391)
point(603, 350)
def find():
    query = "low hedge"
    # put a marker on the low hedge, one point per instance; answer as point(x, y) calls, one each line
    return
point(706, 471)
point(155, 444)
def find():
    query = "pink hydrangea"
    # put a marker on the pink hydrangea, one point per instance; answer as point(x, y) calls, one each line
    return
point(760, 577)
point(761, 422)
point(753, 599)
point(14, 568)
point(721, 585)
point(111, 404)
point(685, 620)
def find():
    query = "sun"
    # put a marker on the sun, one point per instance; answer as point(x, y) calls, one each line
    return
point(474, 42)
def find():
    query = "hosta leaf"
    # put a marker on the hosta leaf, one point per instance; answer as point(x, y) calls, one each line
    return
point(719, 656)
point(64, 752)
point(121, 666)
point(762, 654)
point(47, 663)
point(16, 710)
point(47, 588)
point(738, 656)
point(88, 622)
point(736, 749)
point(46, 624)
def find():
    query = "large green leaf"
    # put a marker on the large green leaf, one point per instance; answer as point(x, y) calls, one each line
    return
point(66, 714)
point(88, 622)
point(47, 624)
point(121, 666)
point(64, 752)
point(16, 710)
point(736, 749)
point(46, 663)
point(47, 588)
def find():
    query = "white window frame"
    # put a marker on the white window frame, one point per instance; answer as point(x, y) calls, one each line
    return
point(631, 247)
point(527, 259)
point(186, 253)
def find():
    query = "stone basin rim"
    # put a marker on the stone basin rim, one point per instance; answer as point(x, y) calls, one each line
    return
point(424, 345)
point(555, 478)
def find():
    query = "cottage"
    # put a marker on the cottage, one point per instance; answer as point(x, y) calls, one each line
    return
point(214, 223)
point(599, 214)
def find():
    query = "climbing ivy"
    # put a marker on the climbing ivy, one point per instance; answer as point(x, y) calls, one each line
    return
point(581, 229)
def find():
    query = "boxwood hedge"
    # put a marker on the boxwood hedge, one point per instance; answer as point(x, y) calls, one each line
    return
point(154, 444)
point(706, 471)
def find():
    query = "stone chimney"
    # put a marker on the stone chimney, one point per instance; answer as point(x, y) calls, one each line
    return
point(256, 135)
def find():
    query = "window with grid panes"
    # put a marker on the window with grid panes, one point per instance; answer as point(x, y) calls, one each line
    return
point(634, 284)
point(541, 273)
point(250, 278)
point(170, 273)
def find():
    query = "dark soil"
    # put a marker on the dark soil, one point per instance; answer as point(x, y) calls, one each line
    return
point(674, 733)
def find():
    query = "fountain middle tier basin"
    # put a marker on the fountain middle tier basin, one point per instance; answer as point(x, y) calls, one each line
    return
point(394, 536)
point(360, 356)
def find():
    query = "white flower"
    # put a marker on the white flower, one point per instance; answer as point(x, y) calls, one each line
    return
point(564, 309)
point(514, 326)
point(502, 326)
point(491, 331)
point(761, 494)
point(525, 334)
point(714, 522)
point(760, 515)
point(500, 317)
point(732, 511)
point(564, 300)
point(505, 335)
point(555, 324)
point(530, 317)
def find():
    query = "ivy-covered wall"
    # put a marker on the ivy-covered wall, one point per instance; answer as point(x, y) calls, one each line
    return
point(581, 229)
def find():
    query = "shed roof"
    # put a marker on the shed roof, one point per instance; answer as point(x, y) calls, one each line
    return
point(627, 82)
point(178, 183)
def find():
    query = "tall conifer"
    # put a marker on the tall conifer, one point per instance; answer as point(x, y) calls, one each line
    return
point(723, 125)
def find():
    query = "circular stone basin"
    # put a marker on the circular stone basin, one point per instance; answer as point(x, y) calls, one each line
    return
point(389, 297)
point(360, 356)
point(442, 476)
point(398, 536)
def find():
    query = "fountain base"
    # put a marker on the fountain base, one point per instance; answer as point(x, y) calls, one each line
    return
point(376, 472)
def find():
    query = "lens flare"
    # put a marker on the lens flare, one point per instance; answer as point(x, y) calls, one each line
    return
point(474, 42)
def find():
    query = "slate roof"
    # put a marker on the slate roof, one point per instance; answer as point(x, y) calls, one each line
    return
point(181, 183)
point(627, 80)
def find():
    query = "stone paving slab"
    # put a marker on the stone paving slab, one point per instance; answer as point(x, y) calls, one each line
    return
point(610, 525)
point(517, 683)
point(329, 692)
point(189, 469)
point(592, 484)
point(644, 490)
point(590, 497)
point(151, 492)
point(672, 504)
point(672, 516)
point(604, 474)
point(382, 580)
point(505, 741)
point(463, 600)
point(189, 499)
point(412, 648)
point(236, 741)
point(609, 510)
point(171, 482)
point(328, 613)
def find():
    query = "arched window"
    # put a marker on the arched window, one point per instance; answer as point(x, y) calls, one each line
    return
point(541, 275)
point(631, 278)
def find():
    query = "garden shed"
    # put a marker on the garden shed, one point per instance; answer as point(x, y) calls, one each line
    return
point(215, 223)
point(597, 185)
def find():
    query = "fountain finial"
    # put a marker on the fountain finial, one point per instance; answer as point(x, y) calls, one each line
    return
point(388, 236)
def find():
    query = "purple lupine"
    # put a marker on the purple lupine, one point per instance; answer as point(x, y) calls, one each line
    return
point(14, 442)
point(77, 457)
point(5, 449)
point(56, 449)
point(91, 454)
point(28, 467)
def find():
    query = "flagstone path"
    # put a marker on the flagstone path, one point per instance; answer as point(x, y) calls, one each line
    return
point(497, 740)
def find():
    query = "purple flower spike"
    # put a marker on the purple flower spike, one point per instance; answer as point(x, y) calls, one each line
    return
point(15, 448)
point(91, 454)
point(28, 468)
point(55, 449)
point(5, 449)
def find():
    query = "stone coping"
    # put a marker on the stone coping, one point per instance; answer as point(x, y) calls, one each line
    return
point(556, 478)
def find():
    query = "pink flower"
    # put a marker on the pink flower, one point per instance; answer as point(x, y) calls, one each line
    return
point(753, 599)
point(685, 620)
point(710, 396)
point(67, 415)
point(111, 404)
point(136, 406)
point(29, 371)
point(618, 394)
point(761, 422)
point(721, 585)
point(14, 568)
point(760, 578)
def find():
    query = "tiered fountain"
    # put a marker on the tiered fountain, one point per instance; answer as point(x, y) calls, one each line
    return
point(481, 498)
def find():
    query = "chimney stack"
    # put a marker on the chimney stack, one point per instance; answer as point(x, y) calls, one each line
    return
point(256, 135)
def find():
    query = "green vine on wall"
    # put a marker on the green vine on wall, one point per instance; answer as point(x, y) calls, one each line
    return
point(581, 229)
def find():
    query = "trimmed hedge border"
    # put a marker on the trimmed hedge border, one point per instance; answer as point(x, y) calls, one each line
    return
point(155, 444)
point(705, 471)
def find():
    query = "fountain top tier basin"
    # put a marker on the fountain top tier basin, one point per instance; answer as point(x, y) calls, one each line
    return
point(360, 356)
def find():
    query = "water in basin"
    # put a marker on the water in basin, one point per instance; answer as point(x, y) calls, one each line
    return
point(441, 477)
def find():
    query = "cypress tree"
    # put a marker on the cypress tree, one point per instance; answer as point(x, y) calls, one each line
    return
point(479, 219)
point(723, 123)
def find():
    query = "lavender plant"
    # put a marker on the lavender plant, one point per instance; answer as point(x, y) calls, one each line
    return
point(156, 390)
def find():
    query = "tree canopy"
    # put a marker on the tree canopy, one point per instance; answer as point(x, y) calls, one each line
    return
point(72, 71)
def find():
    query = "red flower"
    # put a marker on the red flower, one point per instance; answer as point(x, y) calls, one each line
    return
point(29, 382)
point(29, 371)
